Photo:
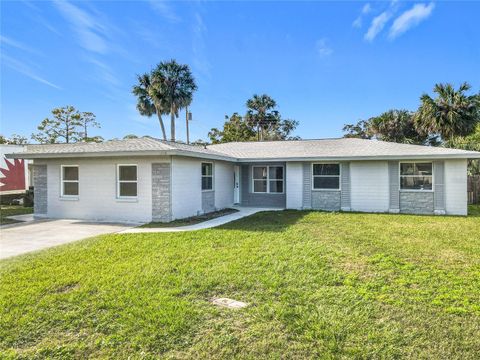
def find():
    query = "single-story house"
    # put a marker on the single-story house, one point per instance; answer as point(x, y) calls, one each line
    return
point(147, 179)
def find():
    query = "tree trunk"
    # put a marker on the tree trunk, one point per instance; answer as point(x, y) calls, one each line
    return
point(164, 134)
point(172, 124)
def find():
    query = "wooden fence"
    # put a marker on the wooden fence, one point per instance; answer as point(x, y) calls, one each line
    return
point(473, 189)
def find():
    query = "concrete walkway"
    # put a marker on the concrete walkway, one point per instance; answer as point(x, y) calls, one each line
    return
point(24, 218)
point(241, 213)
point(21, 238)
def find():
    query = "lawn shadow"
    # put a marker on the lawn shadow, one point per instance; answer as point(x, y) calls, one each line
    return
point(474, 210)
point(272, 221)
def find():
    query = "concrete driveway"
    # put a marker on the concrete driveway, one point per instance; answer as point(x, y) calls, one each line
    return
point(41, 234)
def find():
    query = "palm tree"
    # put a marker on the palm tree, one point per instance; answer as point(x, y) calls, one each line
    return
point(260, 113)
point(452, 113)
point(395, 126)
point(149, 99)
point(176, 85)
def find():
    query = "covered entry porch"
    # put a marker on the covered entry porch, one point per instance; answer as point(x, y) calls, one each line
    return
point(261, 185)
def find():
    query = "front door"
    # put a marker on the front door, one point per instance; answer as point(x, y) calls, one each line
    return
point(236, 184)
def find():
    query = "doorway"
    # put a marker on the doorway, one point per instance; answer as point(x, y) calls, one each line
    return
point(236, 184)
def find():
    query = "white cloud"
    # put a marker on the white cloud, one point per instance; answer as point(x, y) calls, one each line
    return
point(26, 70)
point(90, 32)
point(322, 47)
point(164, 9)
point(35, 14)
point(16, 44)
point(377, 25)
point(359, 20)
point(200, 58)
point(95, 34)
point(105, 72)
point(366, 8)
point(410, 18)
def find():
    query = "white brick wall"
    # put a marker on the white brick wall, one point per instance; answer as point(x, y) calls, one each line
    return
point(456, 187)
point(294, 188)
point(369, 186)
point(97, 198)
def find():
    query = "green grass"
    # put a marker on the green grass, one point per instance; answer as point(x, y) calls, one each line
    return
point(11, 210)
point(474, 210)
point(319, 285)
point(191, 220)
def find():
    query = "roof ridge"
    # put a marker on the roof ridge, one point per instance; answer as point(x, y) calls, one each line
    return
point(289, 141)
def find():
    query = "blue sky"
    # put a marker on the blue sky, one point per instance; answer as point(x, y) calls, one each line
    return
point(325, 63)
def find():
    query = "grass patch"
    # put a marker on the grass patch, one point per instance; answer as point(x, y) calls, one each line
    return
point(11, 210)
point(474, 210)
point(191, 220)
point(318, 285)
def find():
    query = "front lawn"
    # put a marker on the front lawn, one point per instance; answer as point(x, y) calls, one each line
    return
point(318, 285)
point(11, 210)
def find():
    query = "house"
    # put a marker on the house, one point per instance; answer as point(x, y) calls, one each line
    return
point(14, 174)
point(146, 179)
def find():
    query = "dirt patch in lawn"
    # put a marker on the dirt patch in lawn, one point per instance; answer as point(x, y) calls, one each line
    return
point(191, 220)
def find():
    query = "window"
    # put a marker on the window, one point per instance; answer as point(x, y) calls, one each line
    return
point(326, 176)
point(69, 180)
point(207, 176)
point(127, 181)
point(416, 176)
point(268, 179)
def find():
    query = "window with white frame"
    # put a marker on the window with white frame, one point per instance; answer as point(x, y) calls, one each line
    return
point(326, 176)
point(207, 176)
point(268, 179)
point(69, 180)
point(416, 176)
point(127, 181)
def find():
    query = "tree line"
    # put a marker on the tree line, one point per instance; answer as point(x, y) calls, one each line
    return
point(261, 122)
point(66, 125)
point(451, 118)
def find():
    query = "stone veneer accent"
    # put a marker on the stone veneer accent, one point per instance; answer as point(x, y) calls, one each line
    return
point(161, 186)
point(326, 200)
point(40, 205)
point(208, 201)
point(330, 200)
point(416, 202)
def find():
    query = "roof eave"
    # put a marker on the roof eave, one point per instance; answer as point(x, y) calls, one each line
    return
point(107, 154)
point(359, 158)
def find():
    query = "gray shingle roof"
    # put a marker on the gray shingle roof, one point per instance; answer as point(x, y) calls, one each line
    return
point(333, 148)
point(327, 149)
point(139, 146)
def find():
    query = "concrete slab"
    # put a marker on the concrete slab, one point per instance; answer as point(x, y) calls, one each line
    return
point(229, 303)
point(37, 235)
